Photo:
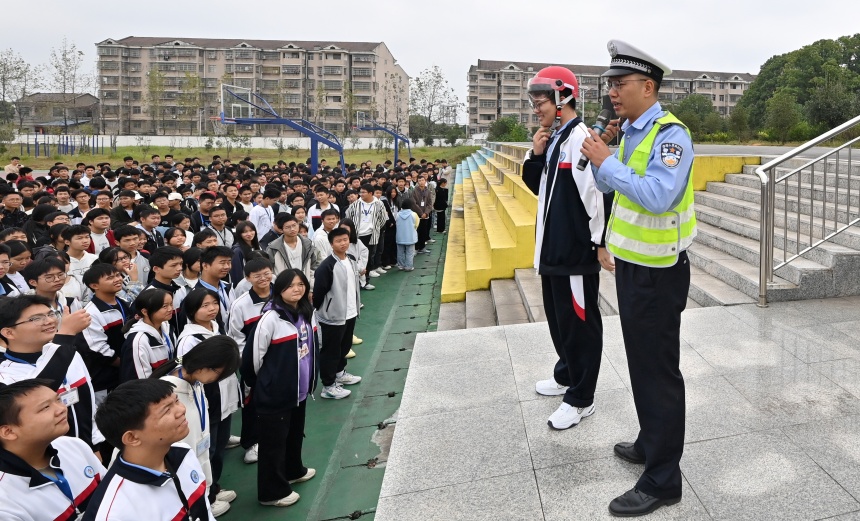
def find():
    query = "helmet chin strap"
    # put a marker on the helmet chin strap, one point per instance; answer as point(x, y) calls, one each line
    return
point(559, 103)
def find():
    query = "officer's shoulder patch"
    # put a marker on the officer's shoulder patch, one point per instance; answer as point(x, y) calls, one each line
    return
point(670, 154)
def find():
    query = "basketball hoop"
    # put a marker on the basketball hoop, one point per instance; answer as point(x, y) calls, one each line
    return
point(219, 127)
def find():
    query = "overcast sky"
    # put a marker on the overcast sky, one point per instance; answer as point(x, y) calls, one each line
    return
point(724, 36)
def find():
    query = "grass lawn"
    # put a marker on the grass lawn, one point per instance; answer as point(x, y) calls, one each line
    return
point(453, 154)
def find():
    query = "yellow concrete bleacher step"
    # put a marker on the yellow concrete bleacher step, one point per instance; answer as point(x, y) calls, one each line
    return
point(478, 260)
point(454, 273)
point(505, 255)
point(517, 218)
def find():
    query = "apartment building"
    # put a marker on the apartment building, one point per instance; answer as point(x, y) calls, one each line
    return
point(171, 86)
point(499, 89)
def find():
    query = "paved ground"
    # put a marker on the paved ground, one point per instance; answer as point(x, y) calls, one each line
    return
point(773, 415)
point(343, 440)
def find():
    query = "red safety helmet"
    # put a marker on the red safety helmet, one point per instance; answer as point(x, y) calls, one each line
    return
point(551, 81)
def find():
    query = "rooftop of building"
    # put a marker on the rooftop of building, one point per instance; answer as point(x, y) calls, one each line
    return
point(238, 43)
point(497, 65)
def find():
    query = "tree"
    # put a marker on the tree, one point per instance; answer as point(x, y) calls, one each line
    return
point(190, 99)
point(31, 79)
point(712, 123)
point(802, 72)
point(831, 104)
point(393, 98)
point(12, 68)
point(320, 102)
point(693, 110)
point(508, 129)
point(454, 133)
point(64, 72)
point(739, 122)
point(783, 114)
point(155, 98)
point(430, 96)
point(348, 107)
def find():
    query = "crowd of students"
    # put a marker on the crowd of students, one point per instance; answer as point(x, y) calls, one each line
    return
point(142, 307)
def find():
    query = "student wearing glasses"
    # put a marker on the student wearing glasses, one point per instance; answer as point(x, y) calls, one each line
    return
point(47, 277)
point(36, 348)
point(131, 284)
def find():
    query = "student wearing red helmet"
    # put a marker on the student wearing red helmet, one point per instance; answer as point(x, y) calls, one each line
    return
point(571, 219)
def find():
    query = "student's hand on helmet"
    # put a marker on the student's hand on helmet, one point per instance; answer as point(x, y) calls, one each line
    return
point(74, 323)
point(539, 141)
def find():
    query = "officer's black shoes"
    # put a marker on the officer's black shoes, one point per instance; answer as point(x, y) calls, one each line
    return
point(627, 452)
point(634, 503)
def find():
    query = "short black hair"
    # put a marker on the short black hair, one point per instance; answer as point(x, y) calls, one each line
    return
point(271, 193)
point(213, 252)
point(337, 232)
point(127, 407)
point(163, 255)
point(37, 268)
point(206, 195)
point(125, 231)
point(190, 256)
point(98, 271)
point(145, 211)
point(255, 265)
point(202, 235)
point(11, 309)
point(330, 211)
point(77, 229)
point(10, 409)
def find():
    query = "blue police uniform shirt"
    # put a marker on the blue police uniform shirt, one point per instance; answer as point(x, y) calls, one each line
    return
point(662, 186)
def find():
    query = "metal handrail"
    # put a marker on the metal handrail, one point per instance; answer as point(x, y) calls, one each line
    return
point(768, 189)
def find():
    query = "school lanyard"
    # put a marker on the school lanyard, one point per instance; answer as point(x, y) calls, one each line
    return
point(121, 310)
point(62, 484)
point(167, 343)
point(219, 290)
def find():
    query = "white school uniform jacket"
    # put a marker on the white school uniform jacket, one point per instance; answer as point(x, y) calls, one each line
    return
point(197, 431)
point(145, 349)
point(132, 493)
point(65, 368)
point(27, 494)
point(592, 198)
point(245, 311)
point(231, 394)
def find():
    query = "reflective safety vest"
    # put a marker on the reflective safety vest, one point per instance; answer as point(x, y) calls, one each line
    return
point(641, 237)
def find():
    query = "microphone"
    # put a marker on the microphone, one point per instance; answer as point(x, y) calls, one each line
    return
point(599, 127)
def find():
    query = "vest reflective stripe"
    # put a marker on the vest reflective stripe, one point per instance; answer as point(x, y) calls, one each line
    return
point(642, 237)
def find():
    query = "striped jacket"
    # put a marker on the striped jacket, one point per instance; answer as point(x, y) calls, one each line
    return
point(100, 344)
point(378, 216)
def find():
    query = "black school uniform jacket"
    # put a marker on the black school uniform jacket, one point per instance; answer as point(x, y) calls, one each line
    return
point(65, 368)
point(571, 216)
point(270, 361)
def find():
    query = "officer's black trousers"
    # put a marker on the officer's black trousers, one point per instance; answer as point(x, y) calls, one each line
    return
point(650, 302)
point(578, 343)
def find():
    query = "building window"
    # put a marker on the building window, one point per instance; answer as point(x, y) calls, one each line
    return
point(511, 76)
point(362, 72)
point(135, 109)
point(722, 97)
point(310, 57)
point(332, 70)
point(333, 99)
point(137, 124)
point(489, 76)
point(332, 85)
point(291, 55)
point(109, 51)
point(291, 69)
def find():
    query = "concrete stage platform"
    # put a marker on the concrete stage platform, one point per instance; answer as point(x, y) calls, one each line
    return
point(773, 422)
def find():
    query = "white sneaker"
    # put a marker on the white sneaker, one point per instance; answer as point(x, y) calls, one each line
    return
point(335, 392)
point(373, 274)
point(369, 286)
point(308, 475)
point(345, 378)
point(219, 508)
point(387, 267)
point(283, 502)
point(226, 496)
point(550, 388)
point(356, 341)
point(252, 454)
point(567, 416)
point(233, 442)
point(381, 271)
point(431, 241)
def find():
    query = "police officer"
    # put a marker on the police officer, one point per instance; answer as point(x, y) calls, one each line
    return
point(651, 225)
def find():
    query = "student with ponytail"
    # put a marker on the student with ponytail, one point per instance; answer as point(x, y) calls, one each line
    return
point(280, 364)
point(207, 363)
point(147, 344)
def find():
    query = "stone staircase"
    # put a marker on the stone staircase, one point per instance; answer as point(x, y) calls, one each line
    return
point(724, 257)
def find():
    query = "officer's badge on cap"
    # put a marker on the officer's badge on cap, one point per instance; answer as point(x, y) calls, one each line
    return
point(627, 59)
